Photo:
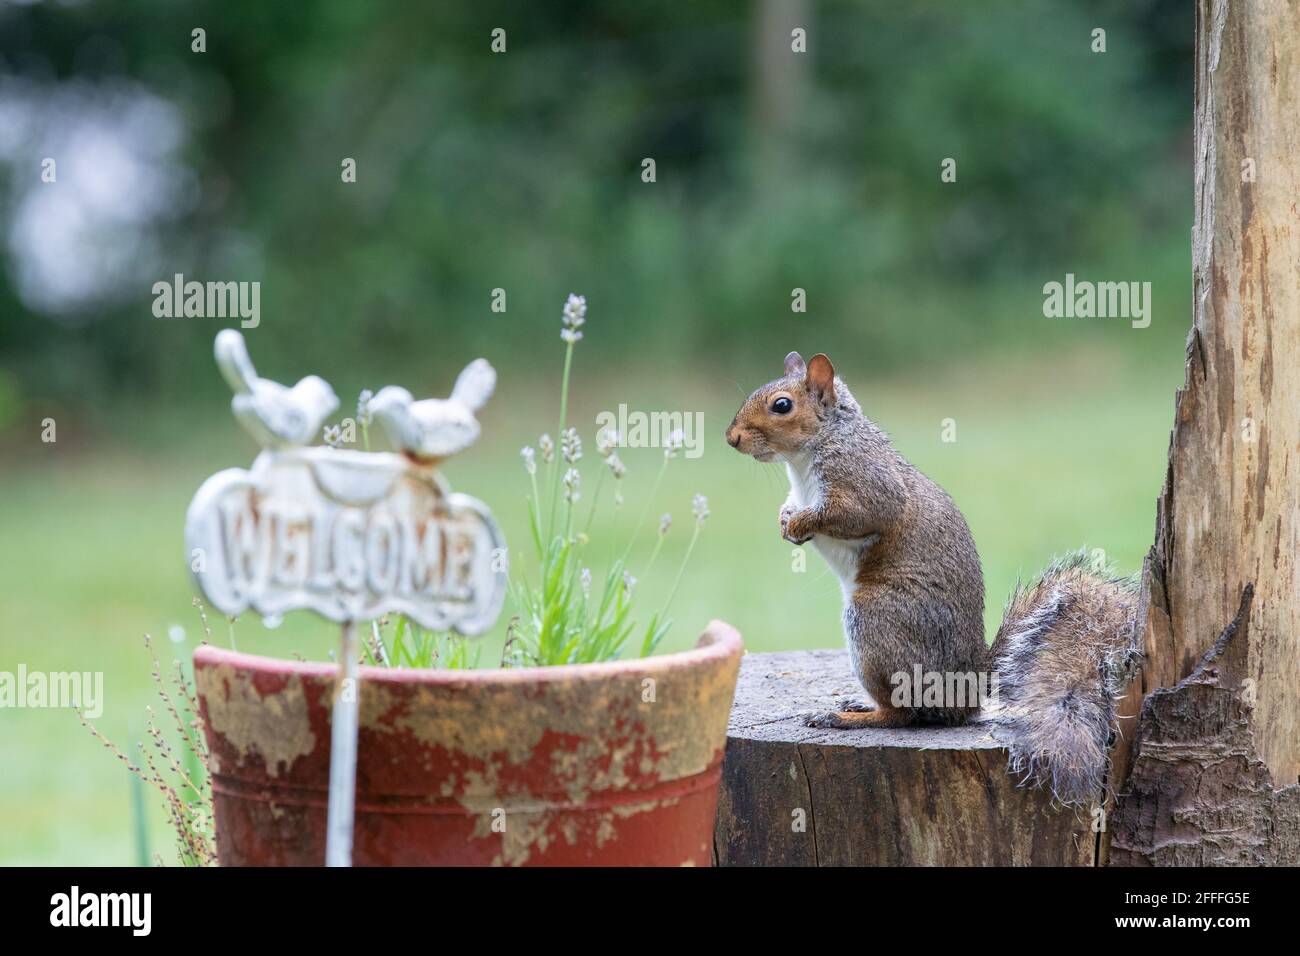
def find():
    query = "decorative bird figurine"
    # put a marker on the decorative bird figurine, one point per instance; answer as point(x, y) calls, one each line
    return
point(275, 415)
point(436, 428)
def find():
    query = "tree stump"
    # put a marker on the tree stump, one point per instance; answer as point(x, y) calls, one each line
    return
point(797, 796)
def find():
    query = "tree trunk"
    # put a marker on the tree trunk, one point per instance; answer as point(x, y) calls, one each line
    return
point(779, 86)
point(1227, 517)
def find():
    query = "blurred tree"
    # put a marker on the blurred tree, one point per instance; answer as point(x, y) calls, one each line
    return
point(520, 170)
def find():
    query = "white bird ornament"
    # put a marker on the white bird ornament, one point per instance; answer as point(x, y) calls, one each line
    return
point(275, 415)
point(436, 428)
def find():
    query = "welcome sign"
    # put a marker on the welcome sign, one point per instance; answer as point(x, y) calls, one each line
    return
point(350, 535)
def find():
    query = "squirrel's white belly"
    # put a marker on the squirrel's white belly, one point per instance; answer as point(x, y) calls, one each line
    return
point(843, 556)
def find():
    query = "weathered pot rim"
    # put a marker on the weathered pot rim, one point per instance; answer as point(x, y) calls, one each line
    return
point(718, 642)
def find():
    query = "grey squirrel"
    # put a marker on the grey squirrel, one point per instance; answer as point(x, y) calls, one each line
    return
point(914, 591)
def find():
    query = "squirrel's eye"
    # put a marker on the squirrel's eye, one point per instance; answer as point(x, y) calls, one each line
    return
point(783, 406)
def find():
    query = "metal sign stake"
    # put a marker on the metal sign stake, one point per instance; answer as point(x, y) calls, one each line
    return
point(343, 753)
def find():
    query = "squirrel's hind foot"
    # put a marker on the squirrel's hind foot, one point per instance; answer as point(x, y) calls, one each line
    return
point(855, 720)
point(852, 705)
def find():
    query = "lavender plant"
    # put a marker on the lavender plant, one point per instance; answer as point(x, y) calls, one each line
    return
point(566, 612)
point(407, 644)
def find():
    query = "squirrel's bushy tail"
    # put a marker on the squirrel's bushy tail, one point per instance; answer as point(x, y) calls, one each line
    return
point(1066, 649)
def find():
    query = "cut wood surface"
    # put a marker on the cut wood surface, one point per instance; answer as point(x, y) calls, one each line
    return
point(798, 796)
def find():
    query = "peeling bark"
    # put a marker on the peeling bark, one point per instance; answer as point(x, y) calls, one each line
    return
point(1199, 794)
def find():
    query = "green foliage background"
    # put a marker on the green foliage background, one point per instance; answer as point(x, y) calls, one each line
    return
point(521, 171)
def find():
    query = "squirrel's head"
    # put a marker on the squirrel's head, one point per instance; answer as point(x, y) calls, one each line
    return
point(784, 415)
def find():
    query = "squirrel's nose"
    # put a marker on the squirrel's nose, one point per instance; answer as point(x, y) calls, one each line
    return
point(733, 436)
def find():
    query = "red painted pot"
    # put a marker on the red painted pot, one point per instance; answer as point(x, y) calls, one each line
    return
point(609, 764)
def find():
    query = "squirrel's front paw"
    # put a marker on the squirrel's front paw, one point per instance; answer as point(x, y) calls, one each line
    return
point(795, 528)
point(786, 512)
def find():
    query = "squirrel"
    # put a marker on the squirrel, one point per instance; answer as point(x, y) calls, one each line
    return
point(914, 592)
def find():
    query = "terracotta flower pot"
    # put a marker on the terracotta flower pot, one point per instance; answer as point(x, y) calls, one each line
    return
point(608, 764)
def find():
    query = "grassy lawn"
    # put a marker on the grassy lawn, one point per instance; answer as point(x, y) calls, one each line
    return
point(1046, 459)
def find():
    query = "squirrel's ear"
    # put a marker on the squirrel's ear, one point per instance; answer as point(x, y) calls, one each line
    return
point(794, 364)
point(821, 378)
